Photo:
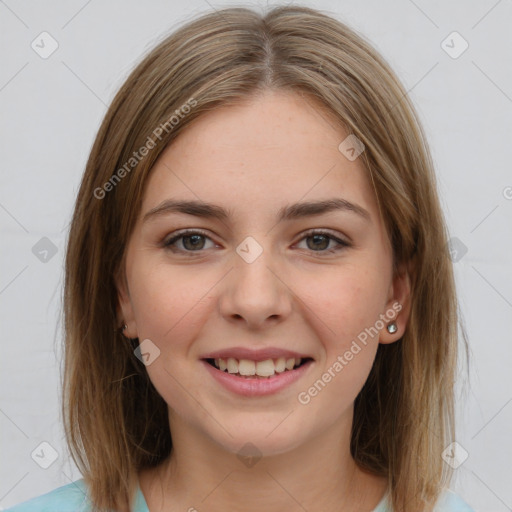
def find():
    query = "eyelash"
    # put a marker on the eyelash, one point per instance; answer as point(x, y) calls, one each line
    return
point(341, 243)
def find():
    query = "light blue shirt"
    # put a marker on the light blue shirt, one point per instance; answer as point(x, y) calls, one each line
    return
point(448, 502)
point(69, 498)
point(73, 498)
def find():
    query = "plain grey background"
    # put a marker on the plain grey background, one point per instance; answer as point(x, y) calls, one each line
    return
point(50, 110)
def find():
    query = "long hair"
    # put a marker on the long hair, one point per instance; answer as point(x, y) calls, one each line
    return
point(116, 423)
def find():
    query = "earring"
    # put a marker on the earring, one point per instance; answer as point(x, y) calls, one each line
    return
point(121, 329)
point(392, 328)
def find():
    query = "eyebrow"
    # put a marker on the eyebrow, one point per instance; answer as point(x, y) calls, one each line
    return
point(289, 212)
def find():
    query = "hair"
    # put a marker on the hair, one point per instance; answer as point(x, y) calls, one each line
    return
point(116, 423)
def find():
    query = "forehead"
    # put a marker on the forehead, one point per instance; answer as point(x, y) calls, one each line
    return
point(272, 149)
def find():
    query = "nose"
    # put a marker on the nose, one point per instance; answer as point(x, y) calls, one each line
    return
point(255, 294)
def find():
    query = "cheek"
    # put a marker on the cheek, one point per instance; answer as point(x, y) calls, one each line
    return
point(166, 302)
point(170, 305)
point(344, 307)
point(347, 300)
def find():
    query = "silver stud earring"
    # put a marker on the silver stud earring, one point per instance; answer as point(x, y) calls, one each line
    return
point(392, 328)
point(121, 329)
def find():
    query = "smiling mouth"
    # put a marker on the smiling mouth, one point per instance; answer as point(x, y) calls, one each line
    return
point(257, 369)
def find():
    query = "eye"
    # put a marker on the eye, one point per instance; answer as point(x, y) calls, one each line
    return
point(195, 241)
point(191, 241)
point(321, 240)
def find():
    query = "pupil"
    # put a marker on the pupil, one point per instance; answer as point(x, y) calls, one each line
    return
point(197, 238)
point(318, 238)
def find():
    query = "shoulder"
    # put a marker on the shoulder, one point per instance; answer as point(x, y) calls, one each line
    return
point(68, 498)
point(451, 502)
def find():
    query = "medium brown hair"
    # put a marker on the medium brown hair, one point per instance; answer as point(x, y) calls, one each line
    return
point(115, 421)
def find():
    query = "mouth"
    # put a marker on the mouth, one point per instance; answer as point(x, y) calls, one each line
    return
point(251, 369)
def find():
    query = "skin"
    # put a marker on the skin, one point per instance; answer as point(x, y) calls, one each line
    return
point(252, 159)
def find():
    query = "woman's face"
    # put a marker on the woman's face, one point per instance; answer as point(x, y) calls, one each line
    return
point(267, 273)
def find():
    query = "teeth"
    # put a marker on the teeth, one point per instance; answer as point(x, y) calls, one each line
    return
point(280, 365)
point(265, 368)
point(246, 367)
point(232, 365)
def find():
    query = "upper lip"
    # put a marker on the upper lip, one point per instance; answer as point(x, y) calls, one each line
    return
point(253, 354)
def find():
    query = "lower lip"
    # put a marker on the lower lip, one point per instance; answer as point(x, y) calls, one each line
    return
point(257, 386)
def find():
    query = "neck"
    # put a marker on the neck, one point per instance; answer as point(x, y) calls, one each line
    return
point(319, 475)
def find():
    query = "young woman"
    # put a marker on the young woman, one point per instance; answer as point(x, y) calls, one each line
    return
point(260, 311)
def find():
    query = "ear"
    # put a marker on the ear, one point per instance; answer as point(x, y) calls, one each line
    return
point(398, 307)
point(125, 315)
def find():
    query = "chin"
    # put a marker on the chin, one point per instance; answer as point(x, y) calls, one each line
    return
point(259, 438)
